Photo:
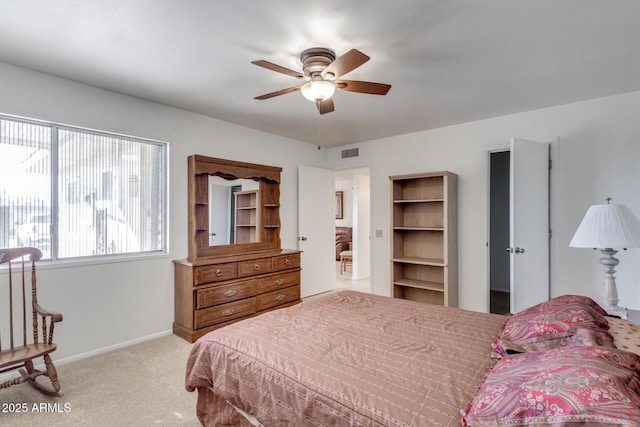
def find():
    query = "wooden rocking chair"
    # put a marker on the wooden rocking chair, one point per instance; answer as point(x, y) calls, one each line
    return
point(20, 356)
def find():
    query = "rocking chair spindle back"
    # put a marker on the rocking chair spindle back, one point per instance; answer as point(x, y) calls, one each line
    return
point(20, 354)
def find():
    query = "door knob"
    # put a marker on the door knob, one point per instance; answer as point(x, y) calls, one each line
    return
point(303, 238)
point(517, 250)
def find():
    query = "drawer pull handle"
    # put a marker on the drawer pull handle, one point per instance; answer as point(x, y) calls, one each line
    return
point(279, 282)
point(287, 261)
point(230, 292)
point(280, 297)
point(218, 272)
point(256, 267)
point(228, 312)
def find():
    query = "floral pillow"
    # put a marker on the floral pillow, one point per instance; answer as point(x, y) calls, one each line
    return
point(586, 385)
point(577, 299)
point(562, 321)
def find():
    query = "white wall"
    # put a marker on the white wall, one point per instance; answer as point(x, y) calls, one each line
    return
point(597, 155)
point(362, 227)
point(108, 304)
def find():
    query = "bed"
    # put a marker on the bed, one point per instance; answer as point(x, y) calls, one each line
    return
point(349, 358)
point(354, 359)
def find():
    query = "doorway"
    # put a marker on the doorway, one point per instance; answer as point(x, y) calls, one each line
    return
point(353, 218)
point(519, 215)
point(317, 220)
point(499, 275)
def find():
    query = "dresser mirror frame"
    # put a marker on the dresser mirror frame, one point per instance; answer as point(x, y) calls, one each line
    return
point(199, 169)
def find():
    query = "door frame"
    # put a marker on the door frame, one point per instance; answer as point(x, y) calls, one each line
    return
point(553, 143)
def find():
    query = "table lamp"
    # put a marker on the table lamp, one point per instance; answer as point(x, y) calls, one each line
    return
point(608, 228)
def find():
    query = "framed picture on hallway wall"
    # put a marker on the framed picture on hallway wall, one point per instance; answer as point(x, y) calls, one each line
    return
point(339, 214)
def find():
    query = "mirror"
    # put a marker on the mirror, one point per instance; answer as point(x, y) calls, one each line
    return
point(233, 211)
point(234, 207)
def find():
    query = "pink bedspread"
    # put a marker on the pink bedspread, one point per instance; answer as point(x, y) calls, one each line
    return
point(345, 359)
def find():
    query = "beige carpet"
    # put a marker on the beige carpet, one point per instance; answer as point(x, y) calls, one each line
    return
point(140, 385)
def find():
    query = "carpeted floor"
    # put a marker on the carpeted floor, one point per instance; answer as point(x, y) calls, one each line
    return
point(140, 385)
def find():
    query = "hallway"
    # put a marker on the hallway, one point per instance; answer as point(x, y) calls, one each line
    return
point(344, 281)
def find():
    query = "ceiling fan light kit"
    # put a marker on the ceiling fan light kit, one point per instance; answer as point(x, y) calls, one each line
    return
point(318, 90)
point(321, 68)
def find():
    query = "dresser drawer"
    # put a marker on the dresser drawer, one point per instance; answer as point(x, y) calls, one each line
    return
point(225, 293)
point(215, 273)
point(224, 312)
point(254, 266)
point(285, 262)
point(279, 281)
point(279, 297)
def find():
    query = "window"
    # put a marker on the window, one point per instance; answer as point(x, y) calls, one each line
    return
point(77, 193)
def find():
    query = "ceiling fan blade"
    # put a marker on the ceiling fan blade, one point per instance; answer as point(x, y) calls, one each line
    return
point(325, 106)
point(345, 63)
point(277, 68)
point(278, 92)
point(362, 87)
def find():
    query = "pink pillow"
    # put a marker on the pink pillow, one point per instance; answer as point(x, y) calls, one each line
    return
point(562, 321)
point(570, 384)
point(579, 300)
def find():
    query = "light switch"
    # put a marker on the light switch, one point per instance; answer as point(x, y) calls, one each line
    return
point(378, 233)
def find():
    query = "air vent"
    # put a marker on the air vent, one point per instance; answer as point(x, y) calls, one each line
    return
point(351, 152)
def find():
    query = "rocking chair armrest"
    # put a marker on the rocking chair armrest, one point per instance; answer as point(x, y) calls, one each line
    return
point(55, 317)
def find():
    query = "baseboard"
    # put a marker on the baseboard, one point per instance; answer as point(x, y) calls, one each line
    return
point(63, 361)
point(111, 347)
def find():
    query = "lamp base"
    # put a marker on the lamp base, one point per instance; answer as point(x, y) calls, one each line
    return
point(620, 312)
point(609, 262)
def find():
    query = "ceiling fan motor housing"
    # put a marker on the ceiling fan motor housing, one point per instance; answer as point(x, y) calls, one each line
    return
point(315, 60)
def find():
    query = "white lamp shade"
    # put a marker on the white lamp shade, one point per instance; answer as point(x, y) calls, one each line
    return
point(607, 226)
point(318, 90)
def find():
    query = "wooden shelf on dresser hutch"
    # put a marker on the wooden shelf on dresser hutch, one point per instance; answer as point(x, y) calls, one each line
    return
point(424, 238)
point(247, 216)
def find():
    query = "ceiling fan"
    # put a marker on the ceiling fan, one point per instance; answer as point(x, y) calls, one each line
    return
point(321, 69)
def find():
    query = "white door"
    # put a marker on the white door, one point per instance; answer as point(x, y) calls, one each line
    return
point(316, 229)
point(529, 223)
point(219, 217)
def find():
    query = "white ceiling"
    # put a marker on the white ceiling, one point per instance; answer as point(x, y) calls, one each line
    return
point(449, 61)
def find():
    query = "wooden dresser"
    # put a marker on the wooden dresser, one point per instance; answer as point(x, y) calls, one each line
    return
point(211, 293)
point(218, 284)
